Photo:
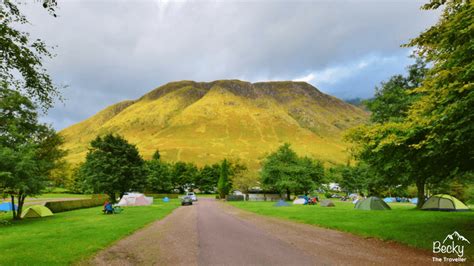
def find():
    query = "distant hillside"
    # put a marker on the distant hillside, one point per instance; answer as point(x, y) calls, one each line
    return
point(204, 122)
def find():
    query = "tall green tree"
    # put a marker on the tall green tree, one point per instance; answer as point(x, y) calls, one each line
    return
point(223, 185)
point(183, 176)
point(285, 172)
point(29, 150)
point(208, 177)
point(394, 97)
point(432, 143)
point(158, 175)
point(113, 166)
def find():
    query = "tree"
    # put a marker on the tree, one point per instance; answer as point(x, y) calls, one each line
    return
point(113, 166)
point(432, 144)
point(29, 150)
point(245, 181)
point(158, 176)
point(21, 58)
point(156, 156)
point(285, 172)
point(223, 185)
point(183, 176)
point(394, 97)
point(208, 177)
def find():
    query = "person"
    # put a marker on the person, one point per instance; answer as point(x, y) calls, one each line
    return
point(108, 208)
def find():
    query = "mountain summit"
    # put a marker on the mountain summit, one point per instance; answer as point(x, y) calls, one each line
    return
point(204, 122)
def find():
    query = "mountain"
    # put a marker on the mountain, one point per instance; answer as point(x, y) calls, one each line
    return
point(204, 122)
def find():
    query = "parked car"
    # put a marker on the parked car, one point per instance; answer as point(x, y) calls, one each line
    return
point(192, 195)
point(186, 201)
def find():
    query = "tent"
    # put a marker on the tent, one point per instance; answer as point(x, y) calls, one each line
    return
point(414, 201)
point(389, 200)
point(7, 206)
point(281, 203)
point(327, 203)
point(372, 203)
point(36, 211)
point(166, 199)
point(443, 202)
point(299, 202)
point(135, 199)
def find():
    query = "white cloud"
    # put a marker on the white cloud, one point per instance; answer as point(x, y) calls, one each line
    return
point(338, 73)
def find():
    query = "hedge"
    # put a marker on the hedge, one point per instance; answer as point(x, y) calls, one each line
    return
point(235, 198)
point(160, 196)
point(69, 205)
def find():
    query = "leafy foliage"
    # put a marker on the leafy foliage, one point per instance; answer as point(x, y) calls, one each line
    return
point(224, 185)
point(21, 63)
point(113, 166)
point(431, 142)
point(29, 150)
point(285, 172)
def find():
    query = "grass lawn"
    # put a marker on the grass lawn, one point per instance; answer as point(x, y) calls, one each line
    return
point(402, 224)
point(71, 236)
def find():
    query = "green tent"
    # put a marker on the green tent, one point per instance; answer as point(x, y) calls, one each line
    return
point(443, 202)
point(327, 203)
point(372, 203)
point(36, 211)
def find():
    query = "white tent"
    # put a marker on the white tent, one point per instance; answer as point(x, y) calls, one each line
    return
point(299, 201)
point(135, 199)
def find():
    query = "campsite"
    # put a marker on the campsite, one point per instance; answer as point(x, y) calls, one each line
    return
point(166, 132)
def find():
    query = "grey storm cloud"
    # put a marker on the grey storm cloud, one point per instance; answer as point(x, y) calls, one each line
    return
point(108, 51)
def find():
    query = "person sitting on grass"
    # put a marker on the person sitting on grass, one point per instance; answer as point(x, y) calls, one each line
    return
point(108, 208)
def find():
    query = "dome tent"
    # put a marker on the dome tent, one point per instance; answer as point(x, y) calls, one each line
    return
point(327, 203)
point(135, 199)
point(36, 211)
point(444, 202)
point(281, 203)
point(372, 203)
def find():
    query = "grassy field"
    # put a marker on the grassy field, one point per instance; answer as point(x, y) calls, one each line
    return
point(403, 223)
point(71, 236)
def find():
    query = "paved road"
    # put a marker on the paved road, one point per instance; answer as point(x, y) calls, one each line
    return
point(213, 233)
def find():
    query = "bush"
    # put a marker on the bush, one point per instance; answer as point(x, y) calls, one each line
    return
point(328, 195)
point(235, 197)
point(160, 196)
point(69, 205)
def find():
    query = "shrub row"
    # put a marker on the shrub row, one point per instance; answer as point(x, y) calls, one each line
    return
point(69, 205)
point(235, 197)
point(160, 196)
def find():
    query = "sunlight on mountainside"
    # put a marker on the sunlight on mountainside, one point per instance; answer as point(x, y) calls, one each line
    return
point(205, 122)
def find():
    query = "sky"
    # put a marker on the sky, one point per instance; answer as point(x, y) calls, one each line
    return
point(109, 51)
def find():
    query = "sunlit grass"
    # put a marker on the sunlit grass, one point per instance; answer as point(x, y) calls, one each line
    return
point(68, 237)
point(403, 223)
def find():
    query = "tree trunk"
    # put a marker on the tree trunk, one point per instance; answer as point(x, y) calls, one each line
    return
point(420, 186)
point(21, 202)
point(288, 194)
point(13, 207)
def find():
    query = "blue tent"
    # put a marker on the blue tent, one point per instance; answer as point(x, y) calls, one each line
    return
point(166, 199)
point(7, 206)
point(281, 203)
point(414, 201)
point(389, 200)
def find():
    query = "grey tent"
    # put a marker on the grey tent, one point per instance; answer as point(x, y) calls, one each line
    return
point(372, 203)
point(281, 203)
point(327, 203)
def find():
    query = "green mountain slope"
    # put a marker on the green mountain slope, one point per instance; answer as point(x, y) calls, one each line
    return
point(205, 122)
